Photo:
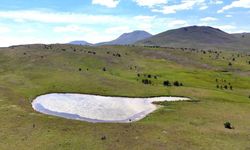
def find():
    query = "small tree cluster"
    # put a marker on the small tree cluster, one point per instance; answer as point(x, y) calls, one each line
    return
point(117, 55)
point(166, 83)
point(149, 76)
point(90, 52)
point(146, 81)
point(153, 46)
point(223, 84)
point(175, 83)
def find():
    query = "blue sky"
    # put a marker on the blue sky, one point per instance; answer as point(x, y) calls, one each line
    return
point(47, 21)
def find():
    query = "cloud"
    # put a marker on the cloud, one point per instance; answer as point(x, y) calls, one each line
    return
point(76, 26)
point(217, 2)
point(228, 16)
point(107, 3)
point(58, 17)
point(165, 7)
point(4, 29)
point(236, 4)
point(203, 7)
point(228, 28)
point(177, 23)
point(72, 28)
point(184, 5)
point(27, 30)
point(208, 19)
point(150, 3)
point(118, 30)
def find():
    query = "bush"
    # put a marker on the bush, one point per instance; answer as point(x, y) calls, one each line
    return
point(176, 83)
point(103, 137)
point(227, 125)
point(166, 83)
point(146, 81)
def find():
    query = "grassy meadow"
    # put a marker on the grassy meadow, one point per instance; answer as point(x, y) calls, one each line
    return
point(217, 81)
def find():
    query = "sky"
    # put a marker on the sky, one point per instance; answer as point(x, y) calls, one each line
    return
point(62, 21)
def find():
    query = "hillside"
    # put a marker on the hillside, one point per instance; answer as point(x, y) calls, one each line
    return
point(219, 92)
point(201, 37)
point(83, 43)
point(245, 37)
point(128, 38)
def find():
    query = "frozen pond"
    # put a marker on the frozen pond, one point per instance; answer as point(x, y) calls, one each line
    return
point(93, 108)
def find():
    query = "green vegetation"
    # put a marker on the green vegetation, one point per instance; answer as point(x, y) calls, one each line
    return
point(228, 125)
point(32, 70)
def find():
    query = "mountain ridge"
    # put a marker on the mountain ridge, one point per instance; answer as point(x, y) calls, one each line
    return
point(128, 38)
point(80, 42)
point(204, 37)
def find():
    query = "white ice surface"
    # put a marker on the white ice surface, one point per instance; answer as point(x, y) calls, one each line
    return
point(94, 108)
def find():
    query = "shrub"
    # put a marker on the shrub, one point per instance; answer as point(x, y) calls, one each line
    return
point(227, 125)
point(103, 137)
point(176, 83)
point(166, 83)
point(146, 81)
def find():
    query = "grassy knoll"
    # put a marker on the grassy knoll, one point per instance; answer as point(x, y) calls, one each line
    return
point(32, 70)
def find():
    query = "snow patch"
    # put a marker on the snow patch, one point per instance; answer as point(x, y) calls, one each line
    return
point(94, 108)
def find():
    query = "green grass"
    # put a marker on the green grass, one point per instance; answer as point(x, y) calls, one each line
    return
point(198, 124)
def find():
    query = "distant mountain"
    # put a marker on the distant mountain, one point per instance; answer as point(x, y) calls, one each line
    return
point(80, 43)
point(128, 38)
point(202, 37)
